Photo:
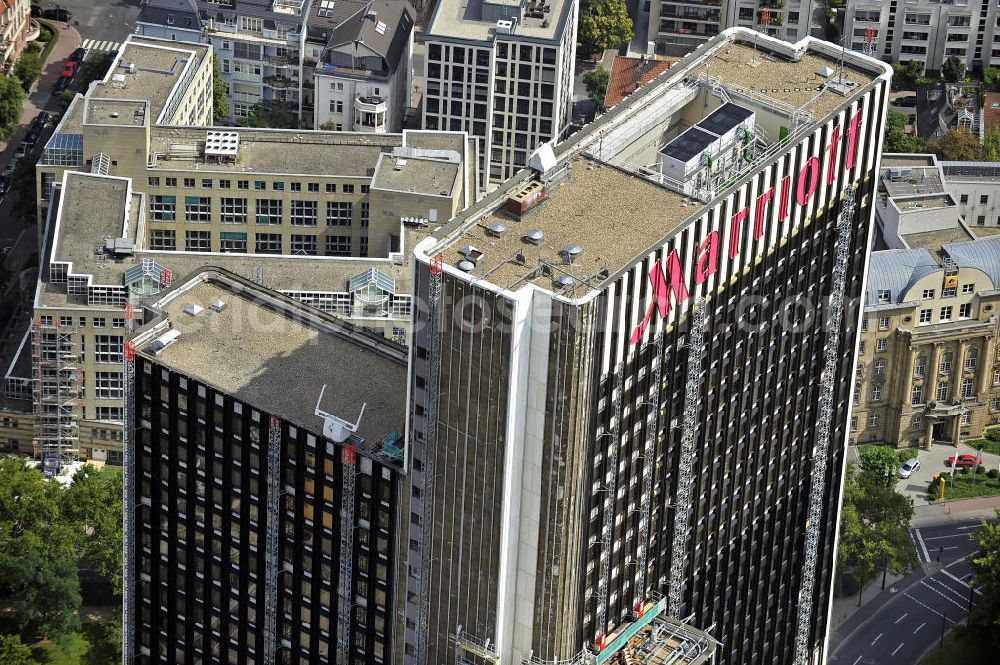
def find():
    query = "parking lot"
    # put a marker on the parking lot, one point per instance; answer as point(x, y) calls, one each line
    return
point(932, 462)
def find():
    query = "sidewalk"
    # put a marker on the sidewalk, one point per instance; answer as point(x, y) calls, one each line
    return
point(956, 510)
point(40, 96)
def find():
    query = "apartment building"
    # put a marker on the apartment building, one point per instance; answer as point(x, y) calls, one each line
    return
point(359, 53)
point(677, 27)
point(15, 27)
point(341, 65)
point(611, 412)
point(265, 481)
point(928, 362)
point(502, 71)
point(928, 31)
point(974, 187)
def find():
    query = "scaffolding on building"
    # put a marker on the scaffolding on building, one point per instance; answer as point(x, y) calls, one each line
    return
point(128, 492)
point(346, 554)
point(689, 435)
point(271, 540)
point(824, 426)
point(648, 462)
point(56, 370)
point(482, 650)
point(430, 437)
point(610, 496)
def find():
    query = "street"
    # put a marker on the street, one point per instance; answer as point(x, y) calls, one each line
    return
point(106, 21)
point(933, 599)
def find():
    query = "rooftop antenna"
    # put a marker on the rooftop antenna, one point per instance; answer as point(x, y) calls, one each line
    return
point(337, 429)
point(765, 20)
point(843, 53)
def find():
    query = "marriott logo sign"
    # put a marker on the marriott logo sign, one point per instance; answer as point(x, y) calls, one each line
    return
point(668, 282)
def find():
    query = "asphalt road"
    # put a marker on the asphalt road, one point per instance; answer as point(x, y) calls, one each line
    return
point(910, 623)
point(102, 21)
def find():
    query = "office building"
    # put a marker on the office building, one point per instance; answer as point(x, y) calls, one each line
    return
point(677, 27)
point(614, 399)
point(927, 362)
point(265, 469)
point(927, 31)
point(133, 196)
point(502, 71)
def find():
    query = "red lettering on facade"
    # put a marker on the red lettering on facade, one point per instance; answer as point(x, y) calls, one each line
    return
point(672, 279)
point(786, 195)
point(662, 290)
point(735, 227)
point(831, 155)
point(708, 258)
point(758, 213)
point(853, 135)
point(808, 180)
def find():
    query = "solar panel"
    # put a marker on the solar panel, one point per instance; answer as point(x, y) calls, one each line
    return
point(380, 28)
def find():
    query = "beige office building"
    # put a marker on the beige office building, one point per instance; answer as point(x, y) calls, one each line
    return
point(929, 361)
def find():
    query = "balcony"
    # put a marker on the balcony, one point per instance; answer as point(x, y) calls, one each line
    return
point(369, 114)
point(281, 61)
point(281, 83)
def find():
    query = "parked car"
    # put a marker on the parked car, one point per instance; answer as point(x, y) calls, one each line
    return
point(70, 69)
point(61, 84)
point(78, 55)
point(22, 150)
point(57, 14)
point(909, 467)
point(36, 11)
point(963, 460)
point(33, 134)
point(9, 169)
point(4, 184)
point(41, 119)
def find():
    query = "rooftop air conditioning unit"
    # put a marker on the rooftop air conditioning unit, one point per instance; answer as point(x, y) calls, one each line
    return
point(505, 27)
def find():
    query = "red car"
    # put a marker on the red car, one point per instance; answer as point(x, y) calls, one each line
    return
point(70, 69)
point(963, 460)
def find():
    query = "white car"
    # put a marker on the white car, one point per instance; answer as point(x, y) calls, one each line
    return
point(908, 468)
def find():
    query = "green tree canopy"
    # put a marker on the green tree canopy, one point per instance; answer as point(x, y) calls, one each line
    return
point(896, 138)
point(878, 466)
point(270, 114)
point(956, 145)
point(984, 621)
point(93, 504)
point(991, 78)
point(28, 69)
point(11, 100)
point(991, 146)
point(596, 82)
point(38, 559)
point(12, 652)
point(605, 24)
point(953, 69)
point(907, 74)
point(220, 95)
point(93, 69)
point(874, 524)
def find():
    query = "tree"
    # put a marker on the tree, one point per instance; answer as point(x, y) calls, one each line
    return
point(878, 465)
point(94, 68)
point(270, 114)
point(28, 69)
point(93, 504)
point(874, 526)
point(991, 78)
point(907, 74)
point(220, 95)
point(11, 100)
point(38, 568)
point(991, 146)
point(984, 621)
point(12, 652)
point(606, 24)
point(596, 82)
point(953, 69)
point(896, 138)
point(958, 144)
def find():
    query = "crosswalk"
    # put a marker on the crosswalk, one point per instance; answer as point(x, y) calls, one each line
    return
point(97, 45)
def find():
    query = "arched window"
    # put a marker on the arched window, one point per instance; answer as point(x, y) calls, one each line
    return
point(970, 359)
